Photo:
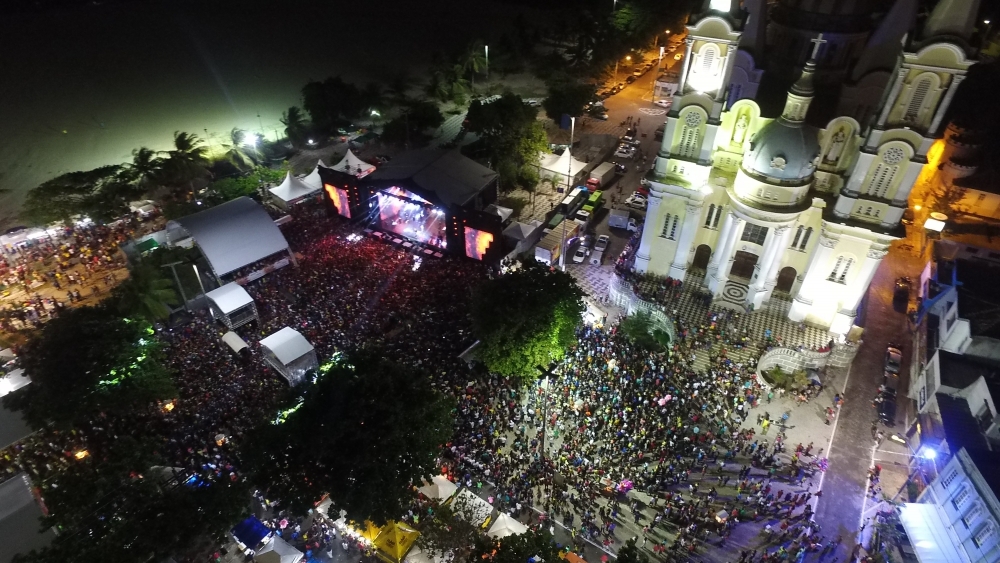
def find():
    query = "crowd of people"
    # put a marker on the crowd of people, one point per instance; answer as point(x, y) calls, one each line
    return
point(612, 417)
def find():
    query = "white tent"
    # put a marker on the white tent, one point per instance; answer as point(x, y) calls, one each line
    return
point(353, 165)
point(293, 190)
point(471, 508)
point(232, 304)
point(505, 525)
point(312, 179)
point(439, 488)
point(417, 555)
point(558, 166)
point(290, 353)
point(278, 551)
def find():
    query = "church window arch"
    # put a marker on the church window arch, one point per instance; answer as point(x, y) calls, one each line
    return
point(798, 236)
point(919, 95)
point(690, 136)
point(718, 213)
point(805, 238)
point(709, 59)
point(840, 269)
point(665, 231)
point(708, 218)
point(881, 179)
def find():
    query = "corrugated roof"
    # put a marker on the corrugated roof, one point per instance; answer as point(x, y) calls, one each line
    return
point(234, 234)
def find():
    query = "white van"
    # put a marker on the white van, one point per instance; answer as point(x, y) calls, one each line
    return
point(596, 257)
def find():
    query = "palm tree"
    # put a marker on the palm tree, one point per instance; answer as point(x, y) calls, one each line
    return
point(439, 86)
point(396, 92)
point(146, 168)
point(188, 160)
point(147, 293)
point(295, 124)
point(237, 150)
point(474, 60)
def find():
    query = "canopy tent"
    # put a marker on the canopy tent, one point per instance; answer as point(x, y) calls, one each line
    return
point(312, 179)
point(505, 525)
point(234, 342)
point(232, 305)
point(471, 508)
point(290, 353)
point(353, 165)
point(417, 555)
point(440, 488)
point(231, 235)
point(278, 551)
point(13, 381)
point(251, 532)
point(395, 541)
point(370, 531)
point(563, 168)
point(293, 190)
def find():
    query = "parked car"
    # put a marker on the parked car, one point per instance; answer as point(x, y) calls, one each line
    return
point(630, 79)
point(643, 188)
point(638, 72)
point(636, 200)
point(885, 406)
point(602, 116)
point(620, 168)
point(664, 103)
point(580, 255)
point(625, 151)
point(678, 56)
point(602, 243)
point(893, 359)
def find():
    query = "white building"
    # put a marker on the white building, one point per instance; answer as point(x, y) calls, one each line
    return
point(776, 204)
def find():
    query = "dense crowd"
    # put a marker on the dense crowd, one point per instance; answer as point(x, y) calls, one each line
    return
point(616, 417)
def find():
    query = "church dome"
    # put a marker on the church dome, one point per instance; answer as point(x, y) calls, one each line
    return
point(783, 151)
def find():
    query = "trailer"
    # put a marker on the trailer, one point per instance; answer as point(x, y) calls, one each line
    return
point(621, 219)
point(548, 249)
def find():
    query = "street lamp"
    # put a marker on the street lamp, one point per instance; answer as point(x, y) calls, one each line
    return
point(627, 58)
point(569, 188)
point(487, 47)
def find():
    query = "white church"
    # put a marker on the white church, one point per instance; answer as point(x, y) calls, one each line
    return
point(765, 204)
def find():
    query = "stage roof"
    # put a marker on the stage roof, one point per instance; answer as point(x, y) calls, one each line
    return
point(287, 345)
point(234, 234)
point(446, 175)
point(230, 297)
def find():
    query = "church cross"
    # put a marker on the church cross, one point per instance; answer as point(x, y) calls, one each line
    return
point(817, 42)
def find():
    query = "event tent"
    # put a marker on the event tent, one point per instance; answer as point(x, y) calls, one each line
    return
point(471, 508)
point(395, 541)
point(440, 488)
point(417, 555)
point(234, 342)
point(371, 531)
point(232, 305)
point(505, 525)
point(251, 532)
point(557, 166)
point(290, 353)
point(353, 165)
point(278, 551)
point(312, 179)
point(292, 190)
point(231, 235)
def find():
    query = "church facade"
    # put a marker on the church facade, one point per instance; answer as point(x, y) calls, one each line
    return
point(765, 204)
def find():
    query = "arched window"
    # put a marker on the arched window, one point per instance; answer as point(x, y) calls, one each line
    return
point(805, 238)
point(847, 266)
point(665, 231)
point(673, 228)
point(836, 269)
point(920, 89)
point(708, 218)
point(798, 235)
point(709, 55)
point(840, 269)
point(881, 179)
point(689, 142)
point(718, 213)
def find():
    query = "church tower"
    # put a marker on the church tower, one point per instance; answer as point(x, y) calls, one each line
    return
point(910, 117)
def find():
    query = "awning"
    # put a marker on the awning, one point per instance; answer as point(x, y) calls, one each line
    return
point(278, 551)
point(439, 488)
point(147, 245)
point(230, 297)
point(928, 534)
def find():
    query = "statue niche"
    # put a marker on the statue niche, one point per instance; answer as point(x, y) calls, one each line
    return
point(836, 148)
point(740, 128)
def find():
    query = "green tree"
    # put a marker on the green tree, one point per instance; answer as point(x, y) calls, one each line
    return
point(526, 319)
point(334, 102)
point(640, 329)
point(567, 98)
point(447, 532)
point(417, 117)
point(629, 553)
point(364, 432)
point(295, 125)
point(89, 360)
point(99, 193)
point(145, 168)
point(533, 545)
point(147, 294)
point(513, 137)
point(187, 161)
point(236, 150)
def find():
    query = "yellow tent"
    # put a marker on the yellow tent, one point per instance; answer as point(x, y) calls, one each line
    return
point(371, 531)
point(395, 541)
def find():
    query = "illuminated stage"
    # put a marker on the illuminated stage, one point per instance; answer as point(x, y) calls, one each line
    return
point(409, 215)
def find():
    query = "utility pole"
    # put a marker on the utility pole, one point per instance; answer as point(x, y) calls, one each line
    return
point(547, 376)
point(178, 281)
point(569, 188)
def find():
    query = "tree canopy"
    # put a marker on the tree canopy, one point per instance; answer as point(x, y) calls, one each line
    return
point(146, 294)
point(533, 545)
point(101, 194)
point(629, 553)
point(90, 360)
point(567, 97)
point(513, 137)
point(640, 329)
point(417, 116)
point(364, 433)
point(526, 318)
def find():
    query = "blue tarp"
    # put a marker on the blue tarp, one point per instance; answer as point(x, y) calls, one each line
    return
point(251, 531)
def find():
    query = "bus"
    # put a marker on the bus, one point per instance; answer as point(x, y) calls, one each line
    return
point(573, 201)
